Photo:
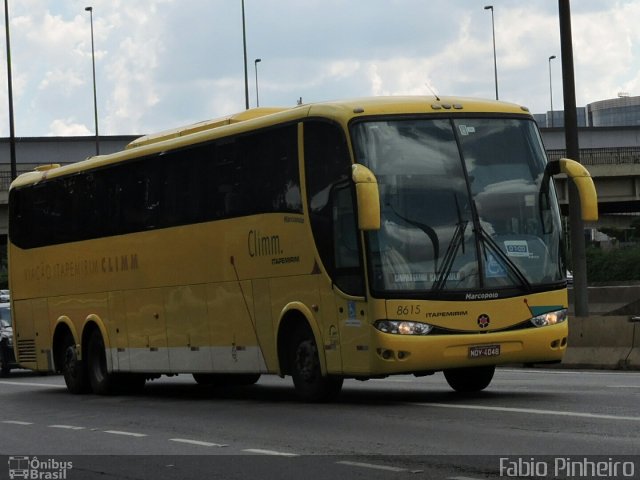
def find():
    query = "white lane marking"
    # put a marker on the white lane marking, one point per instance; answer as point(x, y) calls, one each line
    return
point(130, 434)
point(31, 384)
point(17, 422)
point(197, 442)
point(67, 427)
point(532, 411)
point(270, 452)
point(373, 466)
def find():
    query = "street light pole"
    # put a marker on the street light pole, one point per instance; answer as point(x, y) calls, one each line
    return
point(95, 96)
point(255, 64)
point(12, 133)
point(495, 62)
point(244, 45)
point(551, 88)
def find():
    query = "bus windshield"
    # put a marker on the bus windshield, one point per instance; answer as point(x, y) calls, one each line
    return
point(463, 206)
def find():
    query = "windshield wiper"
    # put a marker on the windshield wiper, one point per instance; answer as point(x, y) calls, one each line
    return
point(450, 256)
point(457, 241)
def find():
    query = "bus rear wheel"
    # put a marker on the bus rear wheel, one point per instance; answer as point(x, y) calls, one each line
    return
point(468, 380)
point(304, 362)
point(102, 382)
point(73, 369)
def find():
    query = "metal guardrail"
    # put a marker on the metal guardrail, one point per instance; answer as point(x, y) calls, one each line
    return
point(602, 156)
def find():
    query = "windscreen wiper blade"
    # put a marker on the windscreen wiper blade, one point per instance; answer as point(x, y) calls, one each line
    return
point(450, 256)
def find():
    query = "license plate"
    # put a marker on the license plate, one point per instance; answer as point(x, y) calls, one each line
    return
point(482, 351)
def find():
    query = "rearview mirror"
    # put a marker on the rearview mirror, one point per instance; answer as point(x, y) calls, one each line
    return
point(582, 180)
point(367, 197)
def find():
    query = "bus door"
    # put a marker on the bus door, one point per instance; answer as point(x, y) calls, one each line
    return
point(348, 283)
point(331, 206)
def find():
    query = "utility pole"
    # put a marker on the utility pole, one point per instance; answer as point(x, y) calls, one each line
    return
point(576, 225)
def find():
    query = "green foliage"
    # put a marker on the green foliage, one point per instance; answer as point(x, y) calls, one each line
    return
point(617, 265)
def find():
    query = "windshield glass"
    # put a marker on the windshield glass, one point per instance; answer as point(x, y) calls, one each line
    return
point(461, 205)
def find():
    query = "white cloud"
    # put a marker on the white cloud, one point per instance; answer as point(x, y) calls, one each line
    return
point(65, 81)
point(606, 48)
point(162, 63)
point(67, 127)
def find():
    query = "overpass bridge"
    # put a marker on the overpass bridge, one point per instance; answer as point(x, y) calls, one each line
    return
point(616, 174)
point(612, 156)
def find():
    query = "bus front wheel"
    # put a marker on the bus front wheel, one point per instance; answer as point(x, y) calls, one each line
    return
point(310, 385)
point(74, 369)
point(468, 380)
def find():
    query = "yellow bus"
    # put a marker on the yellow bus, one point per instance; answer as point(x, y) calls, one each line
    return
point(351, 239)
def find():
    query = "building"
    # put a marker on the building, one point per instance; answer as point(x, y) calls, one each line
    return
point(623, 111)
point(617, 112)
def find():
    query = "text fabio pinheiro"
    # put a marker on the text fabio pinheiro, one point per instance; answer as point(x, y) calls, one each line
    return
point(567, 467)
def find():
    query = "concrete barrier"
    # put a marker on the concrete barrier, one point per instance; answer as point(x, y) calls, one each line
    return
point(607, 338)
point(605, 342)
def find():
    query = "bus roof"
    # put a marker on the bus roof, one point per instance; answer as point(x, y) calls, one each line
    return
point(202, 126)
point(367, 105)
point(341, 111)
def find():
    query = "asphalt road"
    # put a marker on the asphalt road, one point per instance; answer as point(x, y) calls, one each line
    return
point(529, 422)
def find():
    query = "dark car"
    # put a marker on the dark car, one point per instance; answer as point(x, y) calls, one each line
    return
point(7, 357)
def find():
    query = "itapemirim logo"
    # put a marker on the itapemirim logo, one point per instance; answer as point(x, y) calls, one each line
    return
point(33, 468)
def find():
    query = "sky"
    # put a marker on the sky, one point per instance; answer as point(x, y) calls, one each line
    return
point(161, 64)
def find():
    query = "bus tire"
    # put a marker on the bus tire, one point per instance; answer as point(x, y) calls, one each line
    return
point(73, 369)
point(102, 382)
point(226, 379)
point(469, 380)
point(304, 362)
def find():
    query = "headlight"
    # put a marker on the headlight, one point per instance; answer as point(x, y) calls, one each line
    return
point(550, 318)
point(403, 328)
